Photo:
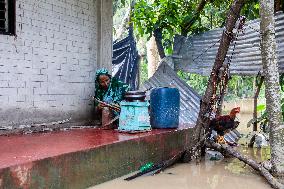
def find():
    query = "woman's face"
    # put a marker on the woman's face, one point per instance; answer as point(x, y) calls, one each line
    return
point(104, 81)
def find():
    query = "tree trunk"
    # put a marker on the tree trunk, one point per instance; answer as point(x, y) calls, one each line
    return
point(209, 98)
point(186, 25)
point(272, 88)
point(158, 38)
point(152, 56)
point(124, 24)
point(258, 85)
point(277, 5)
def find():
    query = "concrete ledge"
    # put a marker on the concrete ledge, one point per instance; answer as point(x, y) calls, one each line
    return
point(16, 118)
point(82, 158)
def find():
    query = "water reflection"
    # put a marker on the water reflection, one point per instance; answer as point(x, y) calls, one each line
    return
point(258, 154)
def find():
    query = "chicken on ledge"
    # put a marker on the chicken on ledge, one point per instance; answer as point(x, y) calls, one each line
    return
point(224, 124)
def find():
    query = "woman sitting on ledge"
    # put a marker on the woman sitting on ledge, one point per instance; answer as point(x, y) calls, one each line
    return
point(108, 94)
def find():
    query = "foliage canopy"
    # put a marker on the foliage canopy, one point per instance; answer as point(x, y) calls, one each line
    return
point(173, 16)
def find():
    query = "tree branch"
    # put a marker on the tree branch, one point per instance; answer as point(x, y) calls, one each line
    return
point(158, 38)
point(188, 23)
point(256, 166)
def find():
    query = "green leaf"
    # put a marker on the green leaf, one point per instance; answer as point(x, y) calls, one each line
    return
point(140, 30)
point(261, 107)
point(256, 6)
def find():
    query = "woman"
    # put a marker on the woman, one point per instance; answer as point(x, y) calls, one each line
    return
point(111, 91)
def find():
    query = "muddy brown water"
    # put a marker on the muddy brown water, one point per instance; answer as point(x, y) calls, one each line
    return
point(229, 173)
point(246, 113)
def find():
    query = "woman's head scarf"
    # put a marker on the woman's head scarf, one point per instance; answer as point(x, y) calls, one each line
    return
point(100, 72)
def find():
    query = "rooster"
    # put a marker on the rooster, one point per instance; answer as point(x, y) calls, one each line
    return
point(224, 124)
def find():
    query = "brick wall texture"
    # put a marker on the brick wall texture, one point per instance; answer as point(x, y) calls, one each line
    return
point(47, 69)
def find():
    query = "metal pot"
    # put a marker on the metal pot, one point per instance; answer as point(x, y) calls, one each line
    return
point(135, 96)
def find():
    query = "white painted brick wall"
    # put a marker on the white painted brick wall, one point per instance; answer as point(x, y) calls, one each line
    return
point(49, 68)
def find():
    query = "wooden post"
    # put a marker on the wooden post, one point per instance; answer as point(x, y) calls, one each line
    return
point(272, 88)
point(258, 85)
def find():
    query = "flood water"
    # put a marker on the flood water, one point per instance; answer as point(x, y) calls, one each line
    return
point(246, 113)
point(229, 173)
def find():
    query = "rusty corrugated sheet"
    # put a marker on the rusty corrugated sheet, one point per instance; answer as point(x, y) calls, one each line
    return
point(165, 76)
point(193, 54)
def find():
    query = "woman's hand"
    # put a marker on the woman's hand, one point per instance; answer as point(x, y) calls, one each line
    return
point(101, 106)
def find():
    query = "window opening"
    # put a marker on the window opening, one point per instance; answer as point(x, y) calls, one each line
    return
point(7, 17)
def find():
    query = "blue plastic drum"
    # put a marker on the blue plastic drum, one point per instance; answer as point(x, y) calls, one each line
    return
point(165, 107)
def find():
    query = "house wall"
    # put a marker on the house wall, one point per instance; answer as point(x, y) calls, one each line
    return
point(47, 70)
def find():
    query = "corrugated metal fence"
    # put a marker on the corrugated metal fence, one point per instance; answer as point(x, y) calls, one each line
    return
point(165, 76)
point(196, 54)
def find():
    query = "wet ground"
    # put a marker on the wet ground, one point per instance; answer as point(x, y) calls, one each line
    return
point(229, 173)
